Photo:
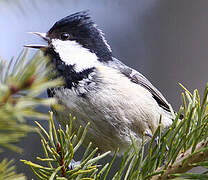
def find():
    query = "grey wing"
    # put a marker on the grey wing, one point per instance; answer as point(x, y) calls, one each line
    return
point(138, 78)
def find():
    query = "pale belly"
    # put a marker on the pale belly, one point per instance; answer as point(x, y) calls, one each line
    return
point(113, 120)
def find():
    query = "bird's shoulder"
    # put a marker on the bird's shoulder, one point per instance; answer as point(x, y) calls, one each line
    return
point(141, 80)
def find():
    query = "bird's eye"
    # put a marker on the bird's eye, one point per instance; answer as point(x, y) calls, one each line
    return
point(65, 36)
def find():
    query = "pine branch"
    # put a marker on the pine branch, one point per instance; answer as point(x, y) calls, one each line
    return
point(59, 147)
point(21, 81)
point(185, 162)
point(7, 171)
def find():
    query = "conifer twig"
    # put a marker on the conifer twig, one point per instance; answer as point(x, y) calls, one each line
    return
point(184, 163)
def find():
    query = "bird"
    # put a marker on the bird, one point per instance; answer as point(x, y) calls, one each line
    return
point(118, 101)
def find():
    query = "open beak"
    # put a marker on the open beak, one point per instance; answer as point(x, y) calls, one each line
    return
point(38, 46)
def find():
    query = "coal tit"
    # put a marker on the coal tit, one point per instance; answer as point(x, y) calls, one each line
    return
point(118, 101)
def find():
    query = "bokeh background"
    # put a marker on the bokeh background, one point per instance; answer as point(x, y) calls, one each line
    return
point(165, 40)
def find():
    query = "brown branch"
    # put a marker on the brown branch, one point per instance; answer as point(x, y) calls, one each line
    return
point(62, 161)
point(14, 89)
point(184, 163)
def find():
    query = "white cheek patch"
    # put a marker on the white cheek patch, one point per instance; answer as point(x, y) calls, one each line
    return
point(74, 54)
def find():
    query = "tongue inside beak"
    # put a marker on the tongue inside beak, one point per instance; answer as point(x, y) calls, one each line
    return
point(38, 46)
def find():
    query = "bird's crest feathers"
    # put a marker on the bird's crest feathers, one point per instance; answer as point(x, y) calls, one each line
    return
point(79, 18)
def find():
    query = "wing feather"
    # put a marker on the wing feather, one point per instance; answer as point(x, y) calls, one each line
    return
point(138, 78)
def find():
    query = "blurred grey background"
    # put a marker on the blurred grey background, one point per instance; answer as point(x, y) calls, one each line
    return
point(165, 40)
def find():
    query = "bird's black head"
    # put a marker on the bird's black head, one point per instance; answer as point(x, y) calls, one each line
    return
point(81, 29)
point(76, 41)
